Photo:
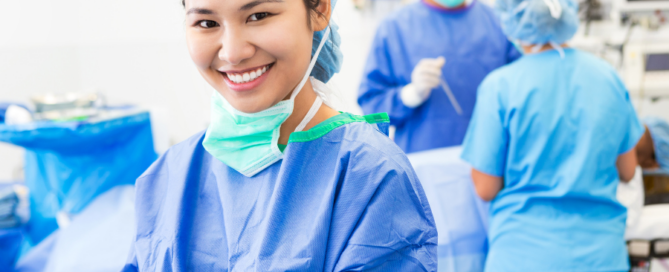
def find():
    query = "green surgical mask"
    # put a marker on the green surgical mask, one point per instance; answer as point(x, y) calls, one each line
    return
point(248, 142)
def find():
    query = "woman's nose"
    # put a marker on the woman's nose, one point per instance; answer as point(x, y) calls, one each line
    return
point(235, 47)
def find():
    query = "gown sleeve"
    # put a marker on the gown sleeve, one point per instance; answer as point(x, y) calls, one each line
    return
point(396, 231)
point(380, 87)
point(486, 143)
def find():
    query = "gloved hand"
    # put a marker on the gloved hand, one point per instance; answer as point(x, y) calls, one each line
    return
point(425, 77)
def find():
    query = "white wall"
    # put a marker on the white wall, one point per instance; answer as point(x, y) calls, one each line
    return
point(134, 52)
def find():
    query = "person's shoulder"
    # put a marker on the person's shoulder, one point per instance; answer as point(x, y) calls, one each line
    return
point(594, 63)
point(598, 69)
point(176, 156)
point(366, 142)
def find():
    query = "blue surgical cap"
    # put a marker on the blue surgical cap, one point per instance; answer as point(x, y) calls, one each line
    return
point(539, 21)
point(659, 131)
point(330, 59)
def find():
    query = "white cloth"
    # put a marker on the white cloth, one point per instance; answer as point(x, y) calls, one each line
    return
point(643, 222)
point(16, 115)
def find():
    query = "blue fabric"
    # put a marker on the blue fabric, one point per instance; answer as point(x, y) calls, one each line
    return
point(10, 246)
point(554, 128)
point(473, 44)
point(531, 21)
point(461, 216)
point(659, 131)
point(68, 164)
point(98, 238)
point(347, 201)
point(36, 259)
point(330, 59)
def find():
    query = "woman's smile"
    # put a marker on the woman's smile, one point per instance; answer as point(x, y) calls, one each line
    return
point(247, 79)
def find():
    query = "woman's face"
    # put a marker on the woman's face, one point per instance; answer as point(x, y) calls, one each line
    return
point(253, 52)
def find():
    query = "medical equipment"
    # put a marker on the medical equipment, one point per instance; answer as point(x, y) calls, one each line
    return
point(451, 97)
point(646, 71)
point(67, 106)
point(656, 187)
point(645, 254)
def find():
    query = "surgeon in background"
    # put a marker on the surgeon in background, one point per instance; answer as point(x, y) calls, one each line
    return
point(420, 52)
point(551, 137)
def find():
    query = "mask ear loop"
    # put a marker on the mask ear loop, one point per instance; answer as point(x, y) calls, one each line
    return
point(558, 48)
point(312, 63)
point(310, 115)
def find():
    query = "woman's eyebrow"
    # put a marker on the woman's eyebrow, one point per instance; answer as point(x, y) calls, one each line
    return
point(257, 2)
point(200, 11)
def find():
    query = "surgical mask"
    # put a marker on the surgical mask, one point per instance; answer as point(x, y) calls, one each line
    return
point(248, 142)
point(450, 3)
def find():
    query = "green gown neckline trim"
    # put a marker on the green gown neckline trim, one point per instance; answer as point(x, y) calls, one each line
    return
point(332, 123)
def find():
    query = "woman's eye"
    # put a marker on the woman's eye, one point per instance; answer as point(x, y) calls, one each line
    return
point(258, 16)
point(207, 24)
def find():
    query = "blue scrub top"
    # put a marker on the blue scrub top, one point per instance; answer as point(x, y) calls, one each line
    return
point(554, 128)
point(344, 198)
point(473, 44)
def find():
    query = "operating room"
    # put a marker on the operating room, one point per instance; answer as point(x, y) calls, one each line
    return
point(416, 135)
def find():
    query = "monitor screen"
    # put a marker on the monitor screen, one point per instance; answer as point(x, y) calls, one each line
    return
point(657, 62)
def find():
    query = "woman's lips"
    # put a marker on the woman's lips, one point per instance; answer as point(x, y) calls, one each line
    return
point(247, 80)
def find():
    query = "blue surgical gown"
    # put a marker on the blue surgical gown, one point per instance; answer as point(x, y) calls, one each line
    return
point(554, 128)
point(473, 44)
point(344, 198)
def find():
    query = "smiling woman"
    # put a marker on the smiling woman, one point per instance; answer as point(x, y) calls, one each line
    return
point(279, 181)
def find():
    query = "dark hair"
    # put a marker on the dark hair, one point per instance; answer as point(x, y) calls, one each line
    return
point(311, 5)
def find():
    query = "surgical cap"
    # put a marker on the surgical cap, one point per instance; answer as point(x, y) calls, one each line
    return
point(539, 21)
point(659, 131)
point(330, 59)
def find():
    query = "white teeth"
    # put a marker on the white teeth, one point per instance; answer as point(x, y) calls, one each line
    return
point(247, 77)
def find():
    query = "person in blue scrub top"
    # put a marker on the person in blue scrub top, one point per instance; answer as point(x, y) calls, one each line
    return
point(551, 136)
point(421, 51)
point(279, 181)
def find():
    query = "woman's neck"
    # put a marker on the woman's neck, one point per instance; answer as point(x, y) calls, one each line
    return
point(303, 102)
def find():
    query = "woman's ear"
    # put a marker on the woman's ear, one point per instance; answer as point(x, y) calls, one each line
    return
point(319, 22)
